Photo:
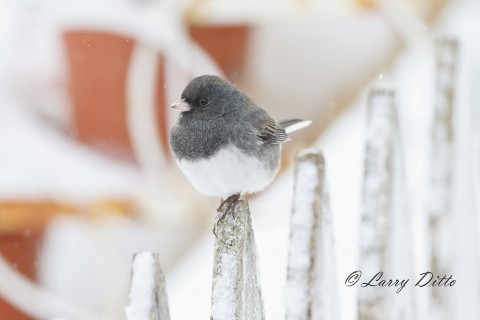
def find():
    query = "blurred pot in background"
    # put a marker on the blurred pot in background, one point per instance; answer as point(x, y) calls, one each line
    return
point(100, 63)
point(22, 225)
point(226, 44)
point(98, 66)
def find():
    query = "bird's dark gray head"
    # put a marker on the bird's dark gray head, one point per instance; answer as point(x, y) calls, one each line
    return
point(208, 96)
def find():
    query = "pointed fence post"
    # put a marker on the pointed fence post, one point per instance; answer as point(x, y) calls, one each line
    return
point(376, 201)
point(385, 230)
point(441, 174)
point(236, 293)
point(311, 291)
point(148, 297)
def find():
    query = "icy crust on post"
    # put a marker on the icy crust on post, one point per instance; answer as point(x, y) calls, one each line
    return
point(297, 295)
point(376, 203)
point(311, 292)
point(236, 293)
point(224, 295)
point(443, 131)
point(440, 203)
point(148, 298)
point(142, 287)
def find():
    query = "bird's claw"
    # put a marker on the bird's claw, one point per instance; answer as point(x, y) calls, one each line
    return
point(230, 202)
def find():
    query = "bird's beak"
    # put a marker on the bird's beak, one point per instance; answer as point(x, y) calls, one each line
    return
point(182, 106)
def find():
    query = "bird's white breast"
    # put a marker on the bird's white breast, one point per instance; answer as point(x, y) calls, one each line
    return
point(228, 172)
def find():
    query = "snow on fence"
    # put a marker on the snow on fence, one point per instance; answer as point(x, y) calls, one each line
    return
point(236, 292)
point(441, 173)
point(148, 296)
point(385, 230)
point(385, 244)
point(311, 291)
point(376, 202)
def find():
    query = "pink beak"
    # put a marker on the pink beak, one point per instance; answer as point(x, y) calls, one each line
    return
point(182, 106)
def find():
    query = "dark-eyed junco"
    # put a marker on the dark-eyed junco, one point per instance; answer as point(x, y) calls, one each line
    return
point(224, 143)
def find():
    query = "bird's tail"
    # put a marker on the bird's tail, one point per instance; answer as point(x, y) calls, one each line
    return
point(291, 125)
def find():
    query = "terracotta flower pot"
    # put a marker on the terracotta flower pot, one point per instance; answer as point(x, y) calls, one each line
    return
point(21, 232)
point(20, 249)
point(22, 229)
point(98, 68)
point(98, 65)
point(226, 44)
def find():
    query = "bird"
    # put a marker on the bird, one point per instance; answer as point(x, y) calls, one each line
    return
point(224, 143)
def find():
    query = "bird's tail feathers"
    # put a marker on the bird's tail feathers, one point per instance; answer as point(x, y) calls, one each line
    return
point(291, 125)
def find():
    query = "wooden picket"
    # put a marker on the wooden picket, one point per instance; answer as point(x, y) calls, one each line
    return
point(441, 173)
point(236, 290)
point(148, 295)
point(385, 227)
point(376, 202)
point(311, 291)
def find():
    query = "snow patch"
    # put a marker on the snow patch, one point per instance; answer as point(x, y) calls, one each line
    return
point(143, 286)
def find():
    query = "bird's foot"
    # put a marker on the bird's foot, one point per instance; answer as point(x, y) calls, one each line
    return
point(225, 207)
point(229, 201)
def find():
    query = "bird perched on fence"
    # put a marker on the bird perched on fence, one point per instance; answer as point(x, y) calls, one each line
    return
point(224, 143)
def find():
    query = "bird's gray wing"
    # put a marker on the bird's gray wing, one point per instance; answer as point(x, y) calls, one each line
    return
point(265, 128)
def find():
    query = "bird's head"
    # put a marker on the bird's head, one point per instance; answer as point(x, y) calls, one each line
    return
point(208, 96)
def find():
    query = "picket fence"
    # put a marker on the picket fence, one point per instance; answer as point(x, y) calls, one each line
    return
point(385, 241)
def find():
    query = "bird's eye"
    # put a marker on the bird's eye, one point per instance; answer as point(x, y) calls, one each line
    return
point(203, 101)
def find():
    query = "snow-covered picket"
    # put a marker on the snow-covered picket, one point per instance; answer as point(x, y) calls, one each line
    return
point(376, 208)
point(236, 292)
point(385, 227)
point(441, 171)
point(148, 297)
point(311, 291)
